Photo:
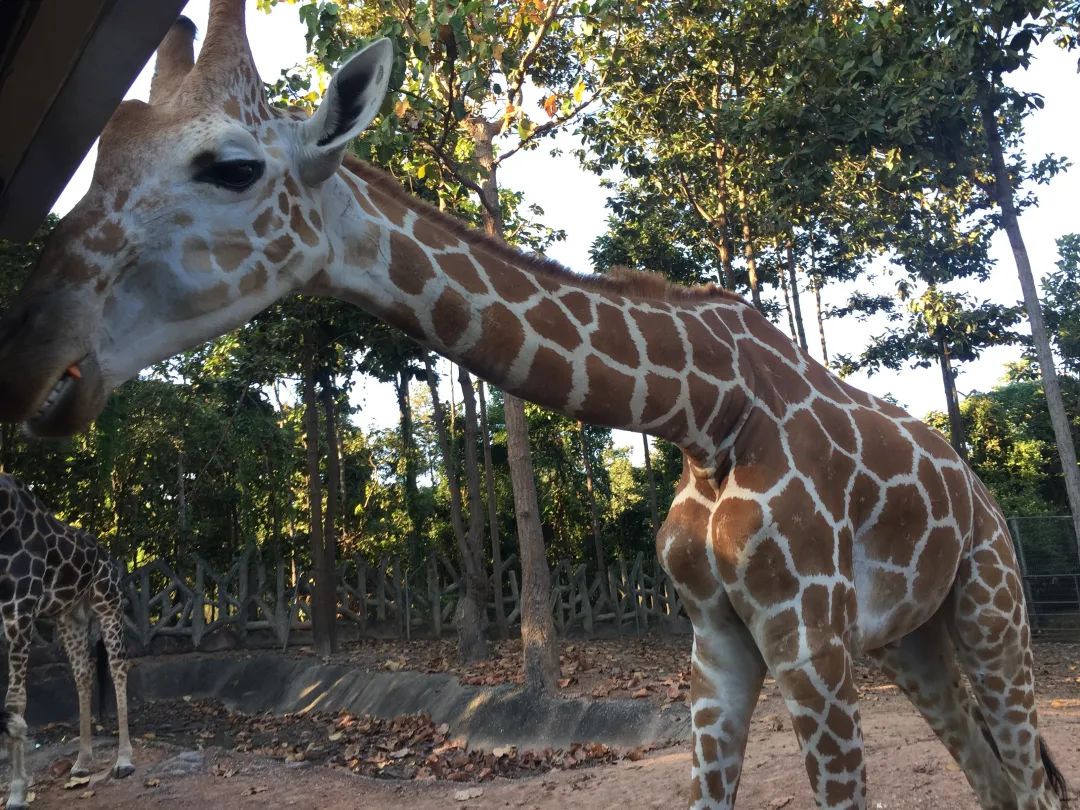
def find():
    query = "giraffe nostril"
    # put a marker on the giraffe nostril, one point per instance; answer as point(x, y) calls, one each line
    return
point(22, 319)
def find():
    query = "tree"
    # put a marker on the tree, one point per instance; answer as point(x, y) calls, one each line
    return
point(471, 617)
point(463, 72)
point(1061, 304)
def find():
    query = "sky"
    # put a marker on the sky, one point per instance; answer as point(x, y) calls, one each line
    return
point(573, 201)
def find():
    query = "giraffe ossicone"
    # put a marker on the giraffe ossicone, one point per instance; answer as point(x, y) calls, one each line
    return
point(812, 521)
point(50, 570)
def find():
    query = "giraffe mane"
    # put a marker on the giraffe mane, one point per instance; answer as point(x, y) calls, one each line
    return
point(619, 280)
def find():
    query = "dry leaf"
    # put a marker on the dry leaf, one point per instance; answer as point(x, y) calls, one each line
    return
point(640, 693)
point(152, 782)
point(76, 781)
point(60, 768)
point(86, 794)
point(468, 793)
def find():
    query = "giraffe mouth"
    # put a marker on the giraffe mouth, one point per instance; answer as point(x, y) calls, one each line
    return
point(63, 386)
point(71, 403)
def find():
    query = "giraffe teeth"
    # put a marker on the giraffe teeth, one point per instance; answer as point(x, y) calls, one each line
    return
point(54, 396)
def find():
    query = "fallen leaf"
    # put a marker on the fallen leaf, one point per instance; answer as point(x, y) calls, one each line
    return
point(468, 793)
point(76, 781)
point(86, 794)
point(640, 693)
point(60, 768)
point(337, 735)
point(152, 782)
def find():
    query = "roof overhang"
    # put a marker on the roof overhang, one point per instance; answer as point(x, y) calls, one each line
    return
point(64, 68)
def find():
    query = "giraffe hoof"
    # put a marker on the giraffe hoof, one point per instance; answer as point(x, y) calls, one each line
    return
point(78, 770)
point(120, 771)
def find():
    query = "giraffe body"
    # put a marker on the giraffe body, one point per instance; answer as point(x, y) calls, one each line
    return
point(54, 571)
point(812, 521)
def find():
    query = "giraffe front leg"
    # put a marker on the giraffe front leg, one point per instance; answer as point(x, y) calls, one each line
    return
point(74, 632)
point(725, 681)
point(112, 633)
point(18, 631)
point(819, 690)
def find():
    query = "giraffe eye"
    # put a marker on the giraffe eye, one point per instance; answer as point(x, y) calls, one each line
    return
point(236, 175)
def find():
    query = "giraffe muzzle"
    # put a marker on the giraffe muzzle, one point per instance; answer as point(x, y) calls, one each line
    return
point(72, 403)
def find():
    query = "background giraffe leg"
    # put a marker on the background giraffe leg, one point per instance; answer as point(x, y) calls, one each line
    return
point(112, 633)
point(993, 644)
point(726, 676)
point(74, 632)
point(923, 664)
point(18, 631)
point(820, 693)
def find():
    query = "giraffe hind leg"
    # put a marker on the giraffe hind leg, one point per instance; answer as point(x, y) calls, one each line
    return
point(923, 664)
point(993, 643)
point(110, 617)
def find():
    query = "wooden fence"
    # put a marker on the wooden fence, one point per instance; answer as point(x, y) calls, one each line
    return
point(193, 600)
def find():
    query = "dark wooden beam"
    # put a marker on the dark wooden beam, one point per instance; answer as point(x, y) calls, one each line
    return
point(65, 70)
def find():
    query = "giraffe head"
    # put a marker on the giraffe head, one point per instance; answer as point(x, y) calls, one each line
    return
point(206, 206)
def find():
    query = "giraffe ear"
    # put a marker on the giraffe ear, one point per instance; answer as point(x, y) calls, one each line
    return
point(351, 102)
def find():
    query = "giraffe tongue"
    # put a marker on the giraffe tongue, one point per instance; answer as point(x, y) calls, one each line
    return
point(73, 371)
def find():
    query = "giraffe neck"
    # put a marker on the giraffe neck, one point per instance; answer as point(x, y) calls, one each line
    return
point(621, 354)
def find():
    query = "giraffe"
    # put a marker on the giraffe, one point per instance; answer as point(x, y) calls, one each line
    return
point(812, 521)
point(51, 570)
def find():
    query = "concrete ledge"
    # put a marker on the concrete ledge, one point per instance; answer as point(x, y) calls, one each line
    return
point(485, 716)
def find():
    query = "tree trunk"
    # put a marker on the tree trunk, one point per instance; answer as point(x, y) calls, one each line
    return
point(787, 303)
point(412, 499)
point(820, 322)
point(654, 511)
point(539, 647)
point(328, 572)
point(184, 534)
point(475, 535)
point(796, 307)
point(952, 401)
point(501, 628)
point(323, 589)
point(472, 646)
point(594, 514)
point(817, 282)
point(1003, 193)
point(720, 157)
point(748, 251)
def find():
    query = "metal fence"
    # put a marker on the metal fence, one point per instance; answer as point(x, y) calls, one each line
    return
point(1047, 552)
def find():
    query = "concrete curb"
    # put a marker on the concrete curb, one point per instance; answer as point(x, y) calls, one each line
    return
point(485, 716)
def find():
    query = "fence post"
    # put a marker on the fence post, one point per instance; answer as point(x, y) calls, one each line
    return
point(198, 612)
point(361, 589)
point(380, 591)
point(1018, 544)
point(435, 596)
point(586, 605)
point(242, 597)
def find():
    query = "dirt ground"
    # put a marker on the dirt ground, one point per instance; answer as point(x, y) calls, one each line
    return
point(342, 761)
